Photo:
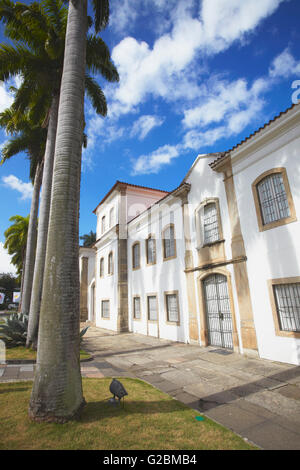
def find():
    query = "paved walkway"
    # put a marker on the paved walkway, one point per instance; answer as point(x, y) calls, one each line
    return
point(257, 399)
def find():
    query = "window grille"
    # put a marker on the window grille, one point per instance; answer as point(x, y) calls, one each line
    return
point(272, 197)
point(287, 297)
point(210, 224)
point(136, 256)
point(101, 267)
point(111, 217)
point(169, 242)
point(137, 308)
point(172, 307)
point(105, 308)
point(152, 308)
point(110, 263)
point(150, 250)
point(103, 224)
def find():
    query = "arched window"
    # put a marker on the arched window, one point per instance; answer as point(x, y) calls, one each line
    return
point(151, 250)
point(101, 267)
point(136, 255)
point(110, 263)
point(169, 243)
point(208, 222)
point(273, 199)
point(111, 217)
point(103, 224)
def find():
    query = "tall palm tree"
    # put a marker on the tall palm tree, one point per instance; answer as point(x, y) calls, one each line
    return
point(57, 388)
point(41, 27)
point(31, 139)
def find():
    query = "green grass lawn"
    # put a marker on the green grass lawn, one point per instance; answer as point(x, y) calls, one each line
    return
point(22, 353)
point(150, 419)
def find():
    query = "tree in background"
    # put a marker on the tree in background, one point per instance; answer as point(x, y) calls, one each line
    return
point(30, 138)
point(15, 242)
point(38, 31)
point(8, 284)
point(88, 239)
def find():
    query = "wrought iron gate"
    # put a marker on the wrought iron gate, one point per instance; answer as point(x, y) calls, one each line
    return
point(218, 314)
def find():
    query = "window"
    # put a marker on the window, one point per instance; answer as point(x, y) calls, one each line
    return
point(209, 223)
point(287, 298)
point(137, 308)
point(172, 307)
point(105, 308)
point(111, 217)
point(136, 256)
point(101, 267)
point(285, 301)
point(273, 200)
point(103, 224)
point(152, 308)
point(110, 263)
point(150, 250)
point(169, 244)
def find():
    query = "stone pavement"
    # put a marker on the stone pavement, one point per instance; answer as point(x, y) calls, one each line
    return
point(256, 398)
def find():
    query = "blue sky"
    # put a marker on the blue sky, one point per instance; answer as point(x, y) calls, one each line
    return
point(196, 76)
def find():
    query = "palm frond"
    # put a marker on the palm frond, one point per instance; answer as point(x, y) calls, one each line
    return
point(96, 95)
point(101, 14)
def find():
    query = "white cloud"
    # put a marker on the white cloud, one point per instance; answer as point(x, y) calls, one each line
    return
point(5, 261)
point(153, 162)
point(156, 71)
point(284, 65)
point(225, 21)
point(235, 102)
point(6, 97)
point(25, 189)
point(144, 125)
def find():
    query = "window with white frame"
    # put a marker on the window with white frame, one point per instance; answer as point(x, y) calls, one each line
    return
point(137, 308)
point(172, 307)
point(287, 300)
point(152, 308)
point(151, 250)
point(169, 246)
point(105, 311)
point(136, 255)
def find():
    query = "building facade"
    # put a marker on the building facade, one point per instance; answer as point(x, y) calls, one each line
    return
point(214, 262)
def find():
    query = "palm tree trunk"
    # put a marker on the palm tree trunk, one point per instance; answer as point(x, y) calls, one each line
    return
point(57, 388)
point(31, 240)
point(39, 266)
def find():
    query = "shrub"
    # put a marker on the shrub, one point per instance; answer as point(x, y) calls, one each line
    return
point(14, 330)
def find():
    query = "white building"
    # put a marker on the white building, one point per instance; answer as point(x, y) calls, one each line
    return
point(214, 262)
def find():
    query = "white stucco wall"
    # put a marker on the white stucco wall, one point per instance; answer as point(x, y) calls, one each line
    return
point(273, 253)
point(107, 286)
point(163, 276)
point(206, 183)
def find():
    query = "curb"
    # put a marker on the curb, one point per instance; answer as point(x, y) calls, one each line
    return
point(31, 361)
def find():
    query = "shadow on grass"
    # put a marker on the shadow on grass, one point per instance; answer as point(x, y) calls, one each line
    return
point(9, 390)
point(95, 411)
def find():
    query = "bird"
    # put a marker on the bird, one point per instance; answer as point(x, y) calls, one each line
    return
point(117, 389)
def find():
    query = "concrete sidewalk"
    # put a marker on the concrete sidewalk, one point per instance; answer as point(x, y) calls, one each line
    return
point(257, 399)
